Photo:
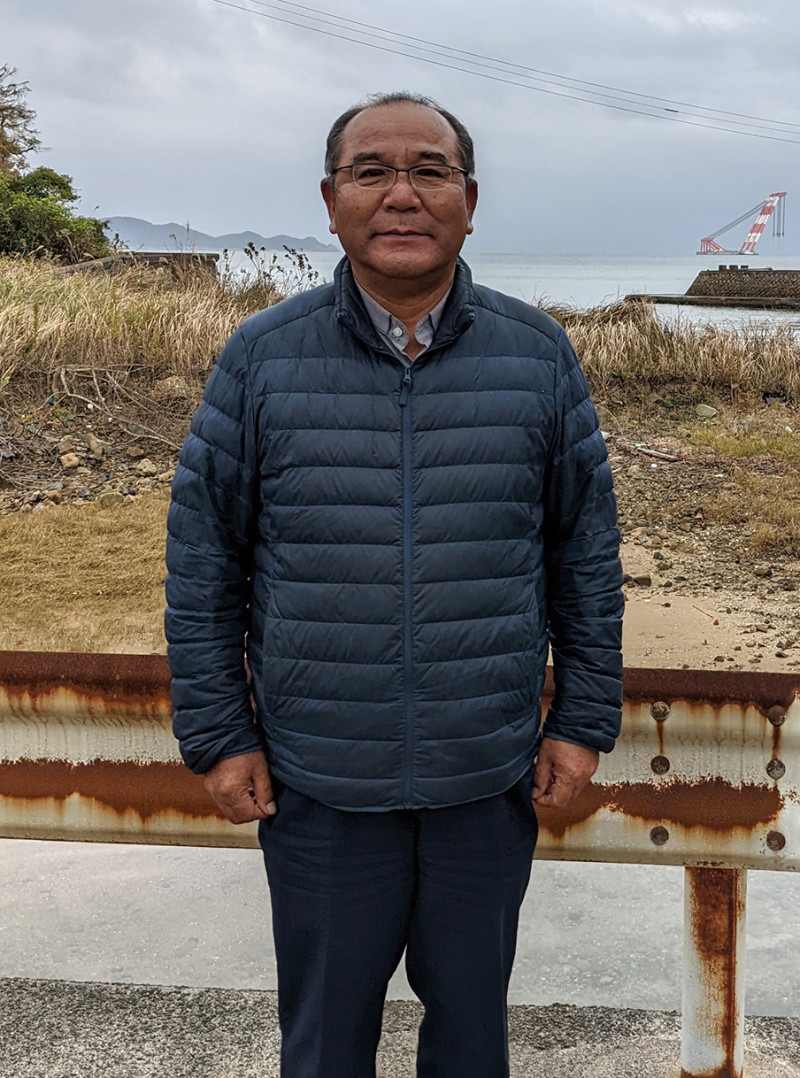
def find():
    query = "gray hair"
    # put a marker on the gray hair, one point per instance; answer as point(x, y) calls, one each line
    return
point(466, 148)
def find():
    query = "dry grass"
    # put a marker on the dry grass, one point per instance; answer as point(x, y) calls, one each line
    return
point(80, 578)
point(771, 432)
point(779, 445)
point(96, 333)
point(768, 506)
point(625, 346)
point(84, 329)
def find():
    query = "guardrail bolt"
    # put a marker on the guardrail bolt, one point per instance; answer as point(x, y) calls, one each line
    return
point(777, 715)
point(659, 836)
point(659, 710)
point(776, 769)
point(660, 764)
point(775, 840)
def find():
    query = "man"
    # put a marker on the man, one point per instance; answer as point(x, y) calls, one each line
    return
point(395, 497)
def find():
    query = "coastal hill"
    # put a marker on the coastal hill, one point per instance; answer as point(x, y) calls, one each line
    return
point(138, 234)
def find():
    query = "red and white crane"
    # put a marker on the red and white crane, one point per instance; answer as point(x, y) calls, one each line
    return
point(773, 207)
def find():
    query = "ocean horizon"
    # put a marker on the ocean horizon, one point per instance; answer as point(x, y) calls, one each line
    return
point(590, 280)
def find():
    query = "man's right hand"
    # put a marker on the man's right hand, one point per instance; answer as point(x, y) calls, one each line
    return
point(242, 788)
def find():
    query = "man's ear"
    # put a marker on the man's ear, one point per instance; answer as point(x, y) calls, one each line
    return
point(329, 197)
point(472, 202)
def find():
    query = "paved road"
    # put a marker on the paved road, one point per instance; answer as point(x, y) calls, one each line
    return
point(591, 935)
point(67, 1030)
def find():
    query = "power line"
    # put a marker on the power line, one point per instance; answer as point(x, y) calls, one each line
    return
point(565, 79)
point(510, 82)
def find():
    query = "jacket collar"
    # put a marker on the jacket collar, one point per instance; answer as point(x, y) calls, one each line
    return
point(457, 316)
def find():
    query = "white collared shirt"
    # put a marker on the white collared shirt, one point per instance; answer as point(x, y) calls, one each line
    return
point(394, 333)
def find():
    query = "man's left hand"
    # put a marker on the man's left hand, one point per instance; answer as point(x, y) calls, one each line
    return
point(562, 771)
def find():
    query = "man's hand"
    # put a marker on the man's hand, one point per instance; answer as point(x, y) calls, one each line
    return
point(241, 787)
point(562, 771)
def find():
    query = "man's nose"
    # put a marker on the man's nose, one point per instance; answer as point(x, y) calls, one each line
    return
point(402, 195)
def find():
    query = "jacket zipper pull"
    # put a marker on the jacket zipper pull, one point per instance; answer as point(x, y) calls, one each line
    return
point(405, 389)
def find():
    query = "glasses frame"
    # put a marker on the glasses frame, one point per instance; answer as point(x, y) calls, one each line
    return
point(409, 171)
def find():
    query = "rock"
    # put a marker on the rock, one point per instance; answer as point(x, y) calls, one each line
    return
point(627, 578)
point(781, 655)
point(761, 628)
point(664, 566)
point(719, 658)
point(110, 499)
point(135, 452)
point(175, 387)
point(705, 411)
point(96, 447)
point(167, 476)
point(644, 580)
point(146, 468)
point(83, 470)
point(763, 570)
point(53, 496)
point(67, 444)
point(69, 461)
point(754, 660)
point(136, 429)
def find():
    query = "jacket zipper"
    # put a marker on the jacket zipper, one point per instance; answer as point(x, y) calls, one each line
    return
point(408, 685)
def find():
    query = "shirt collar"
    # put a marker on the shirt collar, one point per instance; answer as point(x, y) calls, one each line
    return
point(385, 322)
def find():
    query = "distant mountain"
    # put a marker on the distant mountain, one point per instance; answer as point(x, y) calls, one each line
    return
point(141, 235)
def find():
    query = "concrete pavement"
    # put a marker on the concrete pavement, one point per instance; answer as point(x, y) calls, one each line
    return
point(58, 1029)
point(591, 935)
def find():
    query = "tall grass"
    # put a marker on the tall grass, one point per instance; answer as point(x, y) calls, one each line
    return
point(147, 324)
point(140, 321)
point(627, 344)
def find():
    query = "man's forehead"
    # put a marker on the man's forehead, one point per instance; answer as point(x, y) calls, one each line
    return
point(402, 126)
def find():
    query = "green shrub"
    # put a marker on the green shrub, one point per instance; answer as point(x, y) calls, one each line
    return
point(36, 218)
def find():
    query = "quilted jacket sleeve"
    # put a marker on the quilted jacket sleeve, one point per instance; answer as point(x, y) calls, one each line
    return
point(211, 532)
point(584, 578)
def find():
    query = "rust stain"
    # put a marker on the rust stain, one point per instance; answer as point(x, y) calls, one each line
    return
point(716, 687)
point(103, 680)
point(122, 786)
point(776, 740)
point(712, 804)
point(717, 900)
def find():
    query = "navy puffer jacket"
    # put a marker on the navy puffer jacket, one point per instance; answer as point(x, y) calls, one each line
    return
point(395, 547)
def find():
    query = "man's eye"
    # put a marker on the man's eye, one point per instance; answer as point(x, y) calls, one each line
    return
point(432, 172)
point(371, 172)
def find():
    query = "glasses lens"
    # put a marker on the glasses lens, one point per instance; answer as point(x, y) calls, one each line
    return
point(375, 176)
point(429, 177)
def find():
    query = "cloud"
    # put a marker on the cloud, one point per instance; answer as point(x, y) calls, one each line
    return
point(189, 110)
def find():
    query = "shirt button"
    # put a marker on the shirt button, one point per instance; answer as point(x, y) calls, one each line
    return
point(397, 331)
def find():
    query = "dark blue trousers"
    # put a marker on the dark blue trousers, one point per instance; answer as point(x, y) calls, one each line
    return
point(351, 890)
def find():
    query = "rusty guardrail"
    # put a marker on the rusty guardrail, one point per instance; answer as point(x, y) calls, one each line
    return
point(706, 775)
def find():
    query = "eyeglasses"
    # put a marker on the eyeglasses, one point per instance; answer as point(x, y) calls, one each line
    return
point(421, 177)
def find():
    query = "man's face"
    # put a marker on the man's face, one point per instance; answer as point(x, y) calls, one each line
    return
point(401, 232)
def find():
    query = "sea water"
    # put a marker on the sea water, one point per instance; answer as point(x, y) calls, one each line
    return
point(589, 281)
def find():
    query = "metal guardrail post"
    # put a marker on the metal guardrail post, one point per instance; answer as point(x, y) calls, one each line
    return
point(712, 1038)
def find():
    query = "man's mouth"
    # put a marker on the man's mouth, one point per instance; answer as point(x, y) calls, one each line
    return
point(401, 232)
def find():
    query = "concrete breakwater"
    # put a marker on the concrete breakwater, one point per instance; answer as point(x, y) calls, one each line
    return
point(737, 286)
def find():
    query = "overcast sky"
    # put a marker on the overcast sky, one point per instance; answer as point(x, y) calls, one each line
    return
point(189, 111)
